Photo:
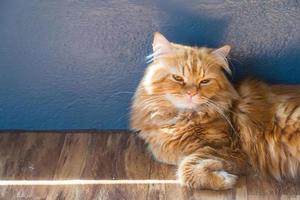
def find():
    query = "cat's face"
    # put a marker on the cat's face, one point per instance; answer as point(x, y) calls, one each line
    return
point(185, 76)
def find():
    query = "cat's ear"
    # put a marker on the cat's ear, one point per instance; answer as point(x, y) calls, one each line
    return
point(222, 53)
point(160, 45)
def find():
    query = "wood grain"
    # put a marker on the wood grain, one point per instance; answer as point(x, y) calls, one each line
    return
point(107, 156)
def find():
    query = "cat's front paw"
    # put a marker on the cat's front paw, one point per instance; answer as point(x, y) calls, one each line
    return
point(217, 180)
point(214, 181)
point(205, 174)
point(227, 181)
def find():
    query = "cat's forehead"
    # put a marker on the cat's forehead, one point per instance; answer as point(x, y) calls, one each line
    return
point(193, 62)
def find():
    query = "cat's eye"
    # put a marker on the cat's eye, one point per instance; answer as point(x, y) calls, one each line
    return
point(204, 81)
point(177, 78)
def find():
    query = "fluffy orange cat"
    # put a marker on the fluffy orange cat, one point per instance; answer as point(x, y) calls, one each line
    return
point(191, 116)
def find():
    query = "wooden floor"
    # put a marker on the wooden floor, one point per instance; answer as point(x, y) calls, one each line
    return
point(105, 158)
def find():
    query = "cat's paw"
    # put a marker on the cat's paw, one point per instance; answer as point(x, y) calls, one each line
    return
point(217, 180)
point(227, 181)
point(205, 174)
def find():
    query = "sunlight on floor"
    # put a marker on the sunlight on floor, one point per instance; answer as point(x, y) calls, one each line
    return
point(85, 182)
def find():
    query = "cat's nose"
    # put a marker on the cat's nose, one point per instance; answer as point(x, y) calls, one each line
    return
point(192, 91)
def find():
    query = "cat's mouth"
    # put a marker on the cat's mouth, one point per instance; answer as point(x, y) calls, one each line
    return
point(183, 102)
point(190, 102)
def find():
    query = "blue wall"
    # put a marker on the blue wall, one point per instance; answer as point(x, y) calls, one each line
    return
point(74, 64)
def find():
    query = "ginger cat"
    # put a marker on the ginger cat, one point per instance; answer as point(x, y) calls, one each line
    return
point(191, 116)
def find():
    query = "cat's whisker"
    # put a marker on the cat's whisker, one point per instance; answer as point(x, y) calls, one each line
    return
point(122, 117)
point(150, 56)
point(229, 59)
point(153, 99)
point(219, 110)
point(150, 104)
point(156, 54)
point(218, 104)
point(124, 93)
point(119, 93)
point(150, 61)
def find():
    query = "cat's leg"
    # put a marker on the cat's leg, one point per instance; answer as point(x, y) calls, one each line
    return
point(197, 172)
point(166, 157)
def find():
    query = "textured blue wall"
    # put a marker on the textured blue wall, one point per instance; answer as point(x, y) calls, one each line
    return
point(74, 64)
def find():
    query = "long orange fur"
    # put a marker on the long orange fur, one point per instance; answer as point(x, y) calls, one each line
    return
point(191, 116)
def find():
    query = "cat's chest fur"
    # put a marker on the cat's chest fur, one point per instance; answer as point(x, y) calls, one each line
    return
point(189, 132)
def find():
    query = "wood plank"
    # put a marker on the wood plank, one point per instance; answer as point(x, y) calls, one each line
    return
point(107, 156)
point(73, 156)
